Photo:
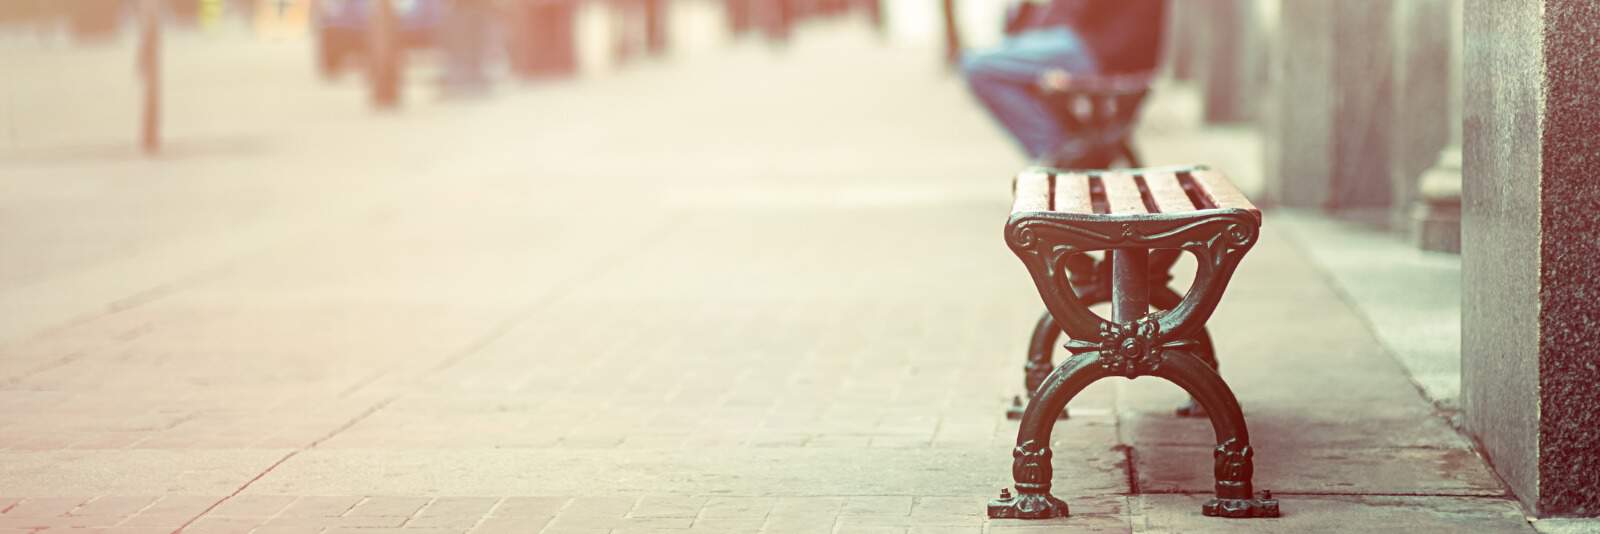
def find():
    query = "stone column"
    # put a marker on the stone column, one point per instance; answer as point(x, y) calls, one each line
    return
point(1183, 39)
point(1327, 125)
point(1436, 211)
point(1230, 60)
point(1421, 120)
point(1530, 374)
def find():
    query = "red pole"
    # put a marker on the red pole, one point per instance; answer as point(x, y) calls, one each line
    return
point(952, 34)
point(385, 55)
point(149, 61)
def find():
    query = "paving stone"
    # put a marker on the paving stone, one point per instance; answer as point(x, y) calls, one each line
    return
point(252, 506)
point(667, 506)
point(171, 510)
point(1566, 525)
point(512, 507)
point(945, 530)
point(728, 525)
point(132, 472)
point(1315, 513)
point(388, 507)
point(887, 506)
point(345, 522)
point(1076, 523)
point(45, 506)
point(1278, 428)
point(320, 506)
point(224, 525)
point(113, 506)
point(273, 529)
point(738, 508)
point(751, 472)
point(453, 512)
point(510, 525)
point(1337, 471)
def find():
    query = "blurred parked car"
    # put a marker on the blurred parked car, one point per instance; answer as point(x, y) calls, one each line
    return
point(342, 27)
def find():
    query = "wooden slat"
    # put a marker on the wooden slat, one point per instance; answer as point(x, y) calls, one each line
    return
point(1168, 193)
point(1032, 191)
point(1072, 193)
point(1122, 194)
point(1221, 191)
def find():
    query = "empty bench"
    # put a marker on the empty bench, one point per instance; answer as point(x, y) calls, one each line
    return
point(1132, 215)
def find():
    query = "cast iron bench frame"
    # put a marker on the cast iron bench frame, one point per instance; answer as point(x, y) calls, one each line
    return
point(1131, 215)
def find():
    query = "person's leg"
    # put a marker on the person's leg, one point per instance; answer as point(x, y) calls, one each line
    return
point(1003, 79)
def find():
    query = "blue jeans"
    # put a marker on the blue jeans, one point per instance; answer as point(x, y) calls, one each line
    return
point(1005, 80)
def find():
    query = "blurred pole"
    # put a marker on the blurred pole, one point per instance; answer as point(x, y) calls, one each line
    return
point(952, 34)
point(149, 61)
point(655, 26)
point(739, 15)
point(780, 20)
point(543, 39)
point(465, 39)
point(626, 28)
point(385, 55)
point(875, 14)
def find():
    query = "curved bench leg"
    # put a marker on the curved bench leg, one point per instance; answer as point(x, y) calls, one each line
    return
point(1165, 299)
point(1040, 349)
point(1030, 464)
point(1233, 466)
point(1207, 354)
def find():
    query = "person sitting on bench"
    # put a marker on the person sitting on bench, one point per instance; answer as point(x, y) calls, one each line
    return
point(1053, 41)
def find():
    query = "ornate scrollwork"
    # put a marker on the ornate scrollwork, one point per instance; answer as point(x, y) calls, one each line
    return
point(1031, 471)
point(1233, 462)
point(1217, 238)
point(1234, 493)
point(1130, 349)
point(1030, 467)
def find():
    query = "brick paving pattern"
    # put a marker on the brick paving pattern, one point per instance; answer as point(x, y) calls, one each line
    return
point(762, 291)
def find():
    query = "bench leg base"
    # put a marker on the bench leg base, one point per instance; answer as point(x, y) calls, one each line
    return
point(1263, 505)
point(1027, 506)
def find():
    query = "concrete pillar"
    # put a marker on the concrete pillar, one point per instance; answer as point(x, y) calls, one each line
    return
point(1436, 212)
point(1530, 377)
point(1327, 119)
point(1230, 60)
point(1420, 123)
point(1183, 39)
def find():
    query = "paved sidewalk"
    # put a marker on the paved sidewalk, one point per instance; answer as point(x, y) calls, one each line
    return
point(759, 291)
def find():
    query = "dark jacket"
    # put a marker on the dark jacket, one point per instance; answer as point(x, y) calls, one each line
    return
point(1124, 35)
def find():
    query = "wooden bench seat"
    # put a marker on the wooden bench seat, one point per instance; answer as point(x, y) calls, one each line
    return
point(1171, 190)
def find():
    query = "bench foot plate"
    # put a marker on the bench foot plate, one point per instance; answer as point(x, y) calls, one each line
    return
point(1263, 505)
point(1026, 506)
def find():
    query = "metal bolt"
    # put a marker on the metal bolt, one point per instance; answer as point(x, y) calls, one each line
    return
point(1005, 493)
point(1266, 494)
